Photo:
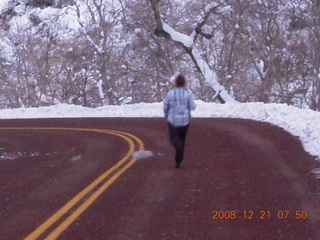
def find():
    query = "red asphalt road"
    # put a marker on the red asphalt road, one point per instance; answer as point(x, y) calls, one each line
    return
point(254, 178)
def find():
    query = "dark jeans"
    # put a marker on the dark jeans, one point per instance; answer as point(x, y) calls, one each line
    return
point(178, 139)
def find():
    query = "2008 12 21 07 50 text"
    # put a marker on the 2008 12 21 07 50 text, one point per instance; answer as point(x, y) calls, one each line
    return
point(262, 214)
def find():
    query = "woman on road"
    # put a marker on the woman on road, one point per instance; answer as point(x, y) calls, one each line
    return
point(177, 108)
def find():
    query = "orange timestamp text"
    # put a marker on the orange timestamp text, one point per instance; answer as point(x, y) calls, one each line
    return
point(263, 214)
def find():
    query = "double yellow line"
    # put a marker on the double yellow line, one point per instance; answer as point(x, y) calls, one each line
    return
point(102, 183)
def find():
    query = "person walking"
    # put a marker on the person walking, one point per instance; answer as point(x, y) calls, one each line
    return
point(177, 107)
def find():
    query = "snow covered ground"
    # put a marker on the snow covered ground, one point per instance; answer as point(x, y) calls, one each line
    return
point(299, 122)
point(3, 4)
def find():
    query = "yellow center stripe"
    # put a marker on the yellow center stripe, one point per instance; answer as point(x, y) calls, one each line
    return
point(76, 213)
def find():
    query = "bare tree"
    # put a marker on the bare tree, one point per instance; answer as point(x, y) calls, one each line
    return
point(102, 31)
point(7, 89)
point(188, 42)
point(315, 43)
point(246, 50)
point(149, 61)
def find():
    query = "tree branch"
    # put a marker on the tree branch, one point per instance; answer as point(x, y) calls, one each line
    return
point(211, 8)
point(159, 32)
point(187, 42)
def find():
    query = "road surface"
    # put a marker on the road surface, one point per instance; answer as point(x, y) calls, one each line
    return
point(75, 179)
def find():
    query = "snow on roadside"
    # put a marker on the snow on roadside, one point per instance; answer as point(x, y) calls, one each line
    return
point(299, 122)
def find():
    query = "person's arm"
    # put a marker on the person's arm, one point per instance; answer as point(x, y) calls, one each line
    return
point(166, 106)
point(192, 104)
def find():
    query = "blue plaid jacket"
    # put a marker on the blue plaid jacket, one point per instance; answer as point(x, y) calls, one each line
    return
point(177, 107)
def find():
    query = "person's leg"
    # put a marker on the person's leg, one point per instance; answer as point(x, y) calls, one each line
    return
point(179, 156)
point(181, 145)
point(183, 132)
point(175, 139)
point(173, 135)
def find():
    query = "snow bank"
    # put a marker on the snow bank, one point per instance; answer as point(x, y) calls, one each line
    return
point(299, 122)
